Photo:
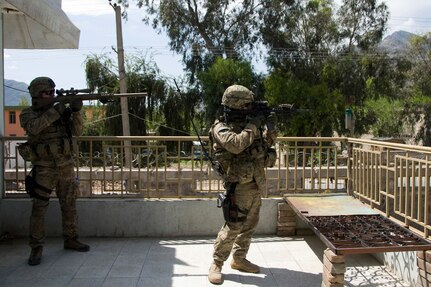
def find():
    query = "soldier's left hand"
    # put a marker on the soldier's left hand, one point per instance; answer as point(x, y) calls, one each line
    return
point(76, 105)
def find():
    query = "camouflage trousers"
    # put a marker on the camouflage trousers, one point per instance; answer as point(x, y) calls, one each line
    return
point(235, 237)
point(62, 180)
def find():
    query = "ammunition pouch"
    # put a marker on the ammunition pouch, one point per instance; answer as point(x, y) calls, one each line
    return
point(27, 152)
point(256, 150)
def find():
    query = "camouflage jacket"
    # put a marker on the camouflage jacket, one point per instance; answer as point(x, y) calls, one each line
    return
point(50, 135)
point(241, 150)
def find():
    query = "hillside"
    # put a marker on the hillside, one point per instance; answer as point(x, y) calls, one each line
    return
point(397, 42)
point(14, 91)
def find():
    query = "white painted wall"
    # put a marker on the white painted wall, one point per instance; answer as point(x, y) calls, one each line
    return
point(133, 217)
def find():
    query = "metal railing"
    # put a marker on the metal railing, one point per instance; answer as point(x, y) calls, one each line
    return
point(393, 178)
point(176, 167)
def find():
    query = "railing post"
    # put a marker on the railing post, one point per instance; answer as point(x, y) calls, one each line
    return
point(349, 146)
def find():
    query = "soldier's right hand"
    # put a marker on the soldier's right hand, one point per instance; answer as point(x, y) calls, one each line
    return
point(60, 107)
point(258, 120)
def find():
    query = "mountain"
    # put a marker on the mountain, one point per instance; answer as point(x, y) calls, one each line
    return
point(397, 42)
point(14, 91)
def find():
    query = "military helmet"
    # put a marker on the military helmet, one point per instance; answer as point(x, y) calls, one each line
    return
point(237, 96)
point(39, 85)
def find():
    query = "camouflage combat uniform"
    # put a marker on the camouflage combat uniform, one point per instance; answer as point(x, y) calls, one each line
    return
point(49, 147)
point(53, 168)
point(241, 147)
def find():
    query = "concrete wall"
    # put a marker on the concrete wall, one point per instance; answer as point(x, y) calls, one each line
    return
point(403, 264)
point(132, 217)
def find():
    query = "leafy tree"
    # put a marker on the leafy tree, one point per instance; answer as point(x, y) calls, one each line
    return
point(316, 55)
point(362, 23)
point(162, 110)
point(386, 117)
point(93, 116)
point(24, 101)
point(307, 52)
point(299, 35)
point(325, 107)
point(418, 104)
point(222, 74)
point(101, 78)
point(203, 30)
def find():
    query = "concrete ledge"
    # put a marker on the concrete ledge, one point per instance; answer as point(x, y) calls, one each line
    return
point(133, 217)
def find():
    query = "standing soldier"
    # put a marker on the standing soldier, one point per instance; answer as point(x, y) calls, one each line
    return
point(241, 147)
point(49, 148)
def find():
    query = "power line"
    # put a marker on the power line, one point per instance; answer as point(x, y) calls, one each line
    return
point(16, 89)
point(159, 124)
point(138, 117)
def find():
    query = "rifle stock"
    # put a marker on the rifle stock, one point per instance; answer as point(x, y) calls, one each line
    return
point(66, 96)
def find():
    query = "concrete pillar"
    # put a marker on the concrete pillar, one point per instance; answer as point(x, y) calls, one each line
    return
point(334, 268)
point(286, 220)
point(424, 268)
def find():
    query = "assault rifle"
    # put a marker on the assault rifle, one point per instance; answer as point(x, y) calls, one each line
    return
point(261, 108)
point(65, 96)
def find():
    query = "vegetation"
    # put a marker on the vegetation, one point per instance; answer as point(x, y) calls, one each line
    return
point(318, 57)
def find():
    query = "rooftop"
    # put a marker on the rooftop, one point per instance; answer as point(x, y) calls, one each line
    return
point(159, 262)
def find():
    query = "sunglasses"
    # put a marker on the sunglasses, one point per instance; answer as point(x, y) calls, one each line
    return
point(49, 92)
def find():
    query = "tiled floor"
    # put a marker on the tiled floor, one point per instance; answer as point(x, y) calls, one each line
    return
point(116, 262)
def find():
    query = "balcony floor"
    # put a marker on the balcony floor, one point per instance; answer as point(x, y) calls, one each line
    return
point(159, 262)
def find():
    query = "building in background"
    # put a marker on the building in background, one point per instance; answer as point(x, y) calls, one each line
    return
point(12, 127)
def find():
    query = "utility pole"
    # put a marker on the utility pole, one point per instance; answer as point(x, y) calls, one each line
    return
point(123, 85)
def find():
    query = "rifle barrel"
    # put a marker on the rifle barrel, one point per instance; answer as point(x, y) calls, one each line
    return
point(104, 98)
point(90, 97)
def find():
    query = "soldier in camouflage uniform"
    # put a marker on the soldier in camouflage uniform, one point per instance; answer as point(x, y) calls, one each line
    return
point(241, 148)
point(50, 129)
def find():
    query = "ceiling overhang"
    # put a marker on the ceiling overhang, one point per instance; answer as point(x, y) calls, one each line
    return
point(38, 24)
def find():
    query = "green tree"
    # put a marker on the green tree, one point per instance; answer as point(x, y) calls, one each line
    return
point(94, 126)
point(312, 48)
point(362, 23)
point(308, 52)
point(23, 102)
point(299, 36)
point(222, 74)
point(386, 116)
point(201, 31)
point(325, 107)
point(161, 111)
point(418, 103)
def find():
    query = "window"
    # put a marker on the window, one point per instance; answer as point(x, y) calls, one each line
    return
point(12, 117)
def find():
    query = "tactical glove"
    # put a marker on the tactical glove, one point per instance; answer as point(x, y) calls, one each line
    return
point(258, 120)
point(76, 105)
point(60, 107)
point(271, 122)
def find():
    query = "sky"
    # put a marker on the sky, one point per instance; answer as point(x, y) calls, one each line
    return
point(96, 21)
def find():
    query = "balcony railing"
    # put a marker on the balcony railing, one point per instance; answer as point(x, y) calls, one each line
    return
point(393, 178)
point(176, 167)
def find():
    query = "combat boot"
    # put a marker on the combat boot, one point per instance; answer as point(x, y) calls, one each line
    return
point(35, 256)
point(74, 244)
point(244, 265)
point(214, 275)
